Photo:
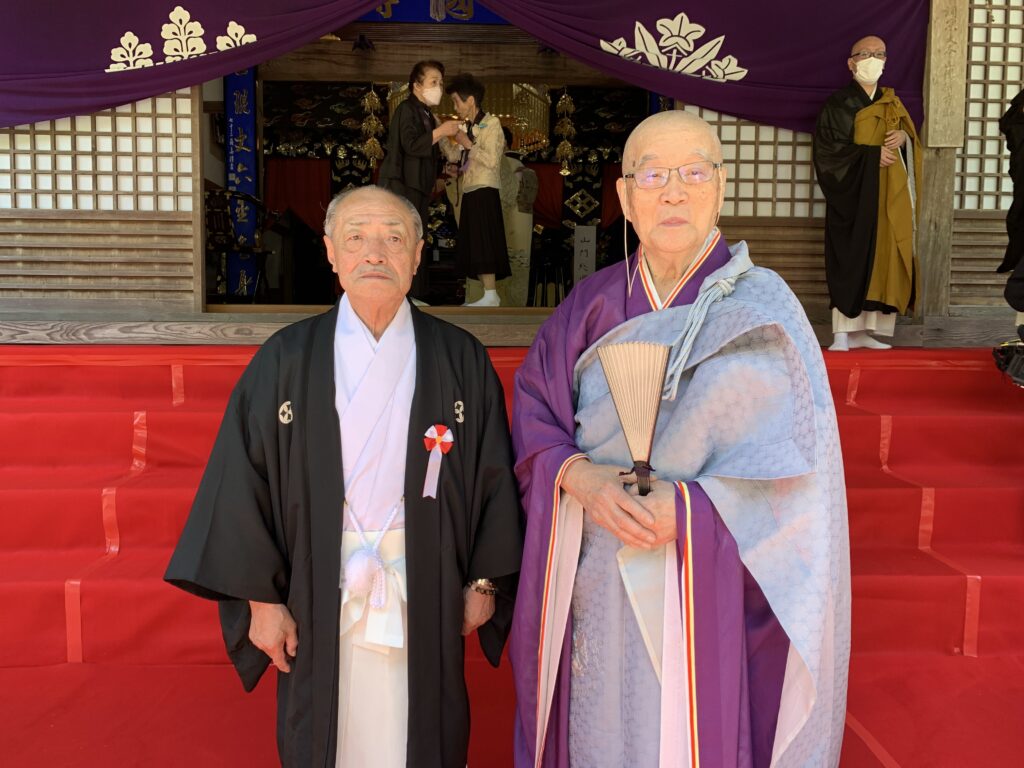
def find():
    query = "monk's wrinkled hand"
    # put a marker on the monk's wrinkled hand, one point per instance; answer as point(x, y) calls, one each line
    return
point(895, 139)
point(273, 630)
point(888, 157)
point(599, 488)
point(661, 503)
point(477, 611)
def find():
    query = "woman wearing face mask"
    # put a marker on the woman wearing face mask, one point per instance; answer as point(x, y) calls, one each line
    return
point(412, 162)
point(480, 250)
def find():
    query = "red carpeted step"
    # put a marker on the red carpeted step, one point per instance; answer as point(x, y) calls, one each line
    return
point(152, 509)
point(979, 389)
point(492, 702)
point(860, 436)
point(84, 387)
point(179, 715)
point(1000, 567)
point(884, 517)
point(131, 616)
point(209, 384)
point(953, 450)
point(979, 515)
point(60, 441)
point(180, 438)
point(839, 384)
point(51, 519)
point(940, 711)
point(906, 601)
point(32, 595)
point(121, 715)
point(856, 753)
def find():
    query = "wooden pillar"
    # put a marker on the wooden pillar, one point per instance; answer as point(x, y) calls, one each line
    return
point(945, 98)
point(198, 204)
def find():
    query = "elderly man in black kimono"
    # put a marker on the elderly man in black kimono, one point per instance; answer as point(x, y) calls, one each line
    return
point(359, 516)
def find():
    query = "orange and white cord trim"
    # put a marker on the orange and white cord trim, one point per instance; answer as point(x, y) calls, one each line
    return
point(652, 295)
point(548, 576)
point(688, 623)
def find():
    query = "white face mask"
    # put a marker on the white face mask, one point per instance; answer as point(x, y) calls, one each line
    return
point(432, 96)
point(868, 71)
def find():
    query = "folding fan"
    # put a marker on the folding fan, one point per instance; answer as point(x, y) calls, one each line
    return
point(635, 372)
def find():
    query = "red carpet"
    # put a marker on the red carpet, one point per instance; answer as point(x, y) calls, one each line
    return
point(102, 664)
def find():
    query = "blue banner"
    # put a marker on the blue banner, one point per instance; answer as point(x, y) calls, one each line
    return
point(456, 11)
point(240, 138)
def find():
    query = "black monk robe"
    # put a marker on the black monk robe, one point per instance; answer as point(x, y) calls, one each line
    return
point(266, 526)
point(848, 176)
point(1012, 126)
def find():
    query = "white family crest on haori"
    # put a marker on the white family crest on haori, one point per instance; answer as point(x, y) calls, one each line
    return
point(284, 413)
point(183, 39)
point(674, 50)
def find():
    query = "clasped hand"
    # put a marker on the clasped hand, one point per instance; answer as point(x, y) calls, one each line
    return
point(893, 141)
point(644, 522)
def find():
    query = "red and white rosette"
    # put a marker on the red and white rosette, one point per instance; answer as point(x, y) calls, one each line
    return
point(438, 440)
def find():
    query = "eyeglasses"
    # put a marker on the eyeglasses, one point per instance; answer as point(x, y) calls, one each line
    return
point(861, 55)
point(691, 173)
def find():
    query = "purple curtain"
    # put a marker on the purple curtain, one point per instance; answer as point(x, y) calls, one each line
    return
point(71, 57)
point(773, 63)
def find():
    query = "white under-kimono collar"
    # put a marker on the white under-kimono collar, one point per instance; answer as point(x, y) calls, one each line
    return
point(355, 344)
point(374, 385)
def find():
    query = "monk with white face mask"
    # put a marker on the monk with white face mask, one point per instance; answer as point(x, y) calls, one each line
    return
point(868, 162)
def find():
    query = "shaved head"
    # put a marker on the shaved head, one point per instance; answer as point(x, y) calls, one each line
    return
point(871, 42)
point(672, 120)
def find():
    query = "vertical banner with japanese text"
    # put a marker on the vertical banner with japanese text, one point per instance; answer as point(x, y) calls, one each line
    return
point(240, 138)
point(584, 252)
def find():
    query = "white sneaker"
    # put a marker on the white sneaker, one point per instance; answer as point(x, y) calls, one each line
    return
point(490, 299)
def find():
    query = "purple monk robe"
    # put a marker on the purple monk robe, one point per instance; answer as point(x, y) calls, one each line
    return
point(741, 649)
point(543, 434)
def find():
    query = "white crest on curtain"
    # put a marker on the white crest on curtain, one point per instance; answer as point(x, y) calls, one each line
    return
point(183, 39)
point(674, 50)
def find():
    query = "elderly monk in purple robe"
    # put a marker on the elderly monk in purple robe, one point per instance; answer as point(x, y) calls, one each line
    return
point(707, 623)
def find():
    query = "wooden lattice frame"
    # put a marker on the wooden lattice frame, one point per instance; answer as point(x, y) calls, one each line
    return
point(995, 71)
point(136, 157)
point(771, 172)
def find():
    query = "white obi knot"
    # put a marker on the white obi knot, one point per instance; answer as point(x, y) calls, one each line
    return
point(373, 587)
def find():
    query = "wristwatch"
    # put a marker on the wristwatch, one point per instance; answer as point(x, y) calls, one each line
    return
point(483, 586)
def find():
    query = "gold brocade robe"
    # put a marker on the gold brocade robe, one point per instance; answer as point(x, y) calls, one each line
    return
point(895, 273)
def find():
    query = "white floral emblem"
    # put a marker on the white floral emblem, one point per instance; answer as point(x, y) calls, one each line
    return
point(235, 37)
point(183, 39)
point(131, 55)
point(674, 50)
